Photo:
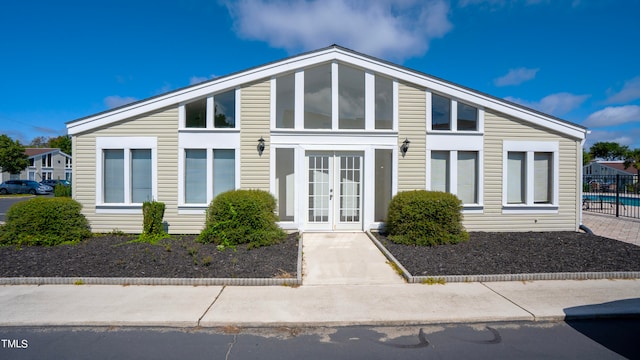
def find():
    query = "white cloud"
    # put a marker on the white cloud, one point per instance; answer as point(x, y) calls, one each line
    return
point(516, 77)
point(554, 104)
point(115, 101)
point(628, 137)
point(493, 3)
point(197, 79)
point(630, 92)
point(613, 115)
point(394, 29)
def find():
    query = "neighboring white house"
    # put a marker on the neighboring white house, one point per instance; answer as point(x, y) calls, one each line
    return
point(325, 133)
point(600, 167)
point(44, 164)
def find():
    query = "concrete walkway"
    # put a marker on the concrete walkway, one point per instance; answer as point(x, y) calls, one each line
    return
point(344, 259)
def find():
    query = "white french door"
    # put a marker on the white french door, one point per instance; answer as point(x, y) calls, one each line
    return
point(334, 190)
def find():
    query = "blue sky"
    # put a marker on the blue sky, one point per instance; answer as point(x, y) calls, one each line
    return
point(574, 59)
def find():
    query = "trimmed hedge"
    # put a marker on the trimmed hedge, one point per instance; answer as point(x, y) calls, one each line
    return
point(61, 191)
point(153, 212)
point(242, 217)
point(44, 221)
point(425, 218)
point(152, 225)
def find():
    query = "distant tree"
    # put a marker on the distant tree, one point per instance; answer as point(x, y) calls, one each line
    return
point(632, 159)
point(586, 157)
point(12, 156)
point(39, 142)
point(608, 151)
point(62, 142)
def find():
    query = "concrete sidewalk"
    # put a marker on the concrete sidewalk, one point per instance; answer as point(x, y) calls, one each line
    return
point(333, 305)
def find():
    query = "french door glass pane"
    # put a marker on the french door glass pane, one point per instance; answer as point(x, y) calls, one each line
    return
point(516, 175)
point(384, 103)
point(140, 175)
point(350, 188)
point(195, 176)
point(285, 98)
point(285, 183)
point(319, 188)
point(224, 171)
point(542, 183)
point(383, 179)
point(317, 97)
point(440, 171)
point(113, 176)
point(350, 98)
point(467, 177)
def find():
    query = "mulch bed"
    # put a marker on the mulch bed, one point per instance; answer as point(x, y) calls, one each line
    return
point(182, 257)
point(518, 253)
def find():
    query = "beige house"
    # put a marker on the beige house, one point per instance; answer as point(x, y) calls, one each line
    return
point(333, 134)
point(44, 164)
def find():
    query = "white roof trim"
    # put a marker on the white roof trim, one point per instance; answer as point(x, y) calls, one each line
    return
point(309, 59)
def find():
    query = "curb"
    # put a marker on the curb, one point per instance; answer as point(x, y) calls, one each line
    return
point(501, 277)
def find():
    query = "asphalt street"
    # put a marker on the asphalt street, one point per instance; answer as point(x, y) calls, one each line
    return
point(585, 339)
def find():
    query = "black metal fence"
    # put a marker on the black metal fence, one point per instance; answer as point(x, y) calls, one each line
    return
point(617, 195)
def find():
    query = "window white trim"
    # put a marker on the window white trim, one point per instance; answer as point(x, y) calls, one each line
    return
point(210, 113)
point(453, 174)
point(126, 144)
point(369, 93)
point(369, 100)
point(199, 144)
point(530, 148)
point(453, 120)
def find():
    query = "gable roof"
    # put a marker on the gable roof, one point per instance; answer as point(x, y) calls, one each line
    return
point(31, 152)
point(328, 54)
point(617, 165)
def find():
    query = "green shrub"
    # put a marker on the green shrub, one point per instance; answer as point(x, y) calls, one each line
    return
point(152, 226)
point(242, 217)
point(44, 221)
point(425, 218)
point(62, 191)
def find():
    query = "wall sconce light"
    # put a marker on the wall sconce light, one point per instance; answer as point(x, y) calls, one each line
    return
point(404, 147)
point(260, 146)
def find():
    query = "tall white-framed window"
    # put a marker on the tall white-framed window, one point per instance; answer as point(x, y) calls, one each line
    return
point(530, 176)
point(126, 171)
point(205, 173)
point(455, 165)
point(46, 161)
point(218, 111)
point(449, 115)
point(334, 96)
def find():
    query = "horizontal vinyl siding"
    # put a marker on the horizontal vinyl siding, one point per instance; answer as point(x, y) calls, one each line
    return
point(499, 128)
point(164, 126)
point(412, 126)
point(255, 117)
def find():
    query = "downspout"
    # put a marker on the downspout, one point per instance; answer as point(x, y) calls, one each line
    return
point(580, 185)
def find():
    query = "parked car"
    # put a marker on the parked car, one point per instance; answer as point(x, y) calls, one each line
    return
point(53, 183)
point(24, 187)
